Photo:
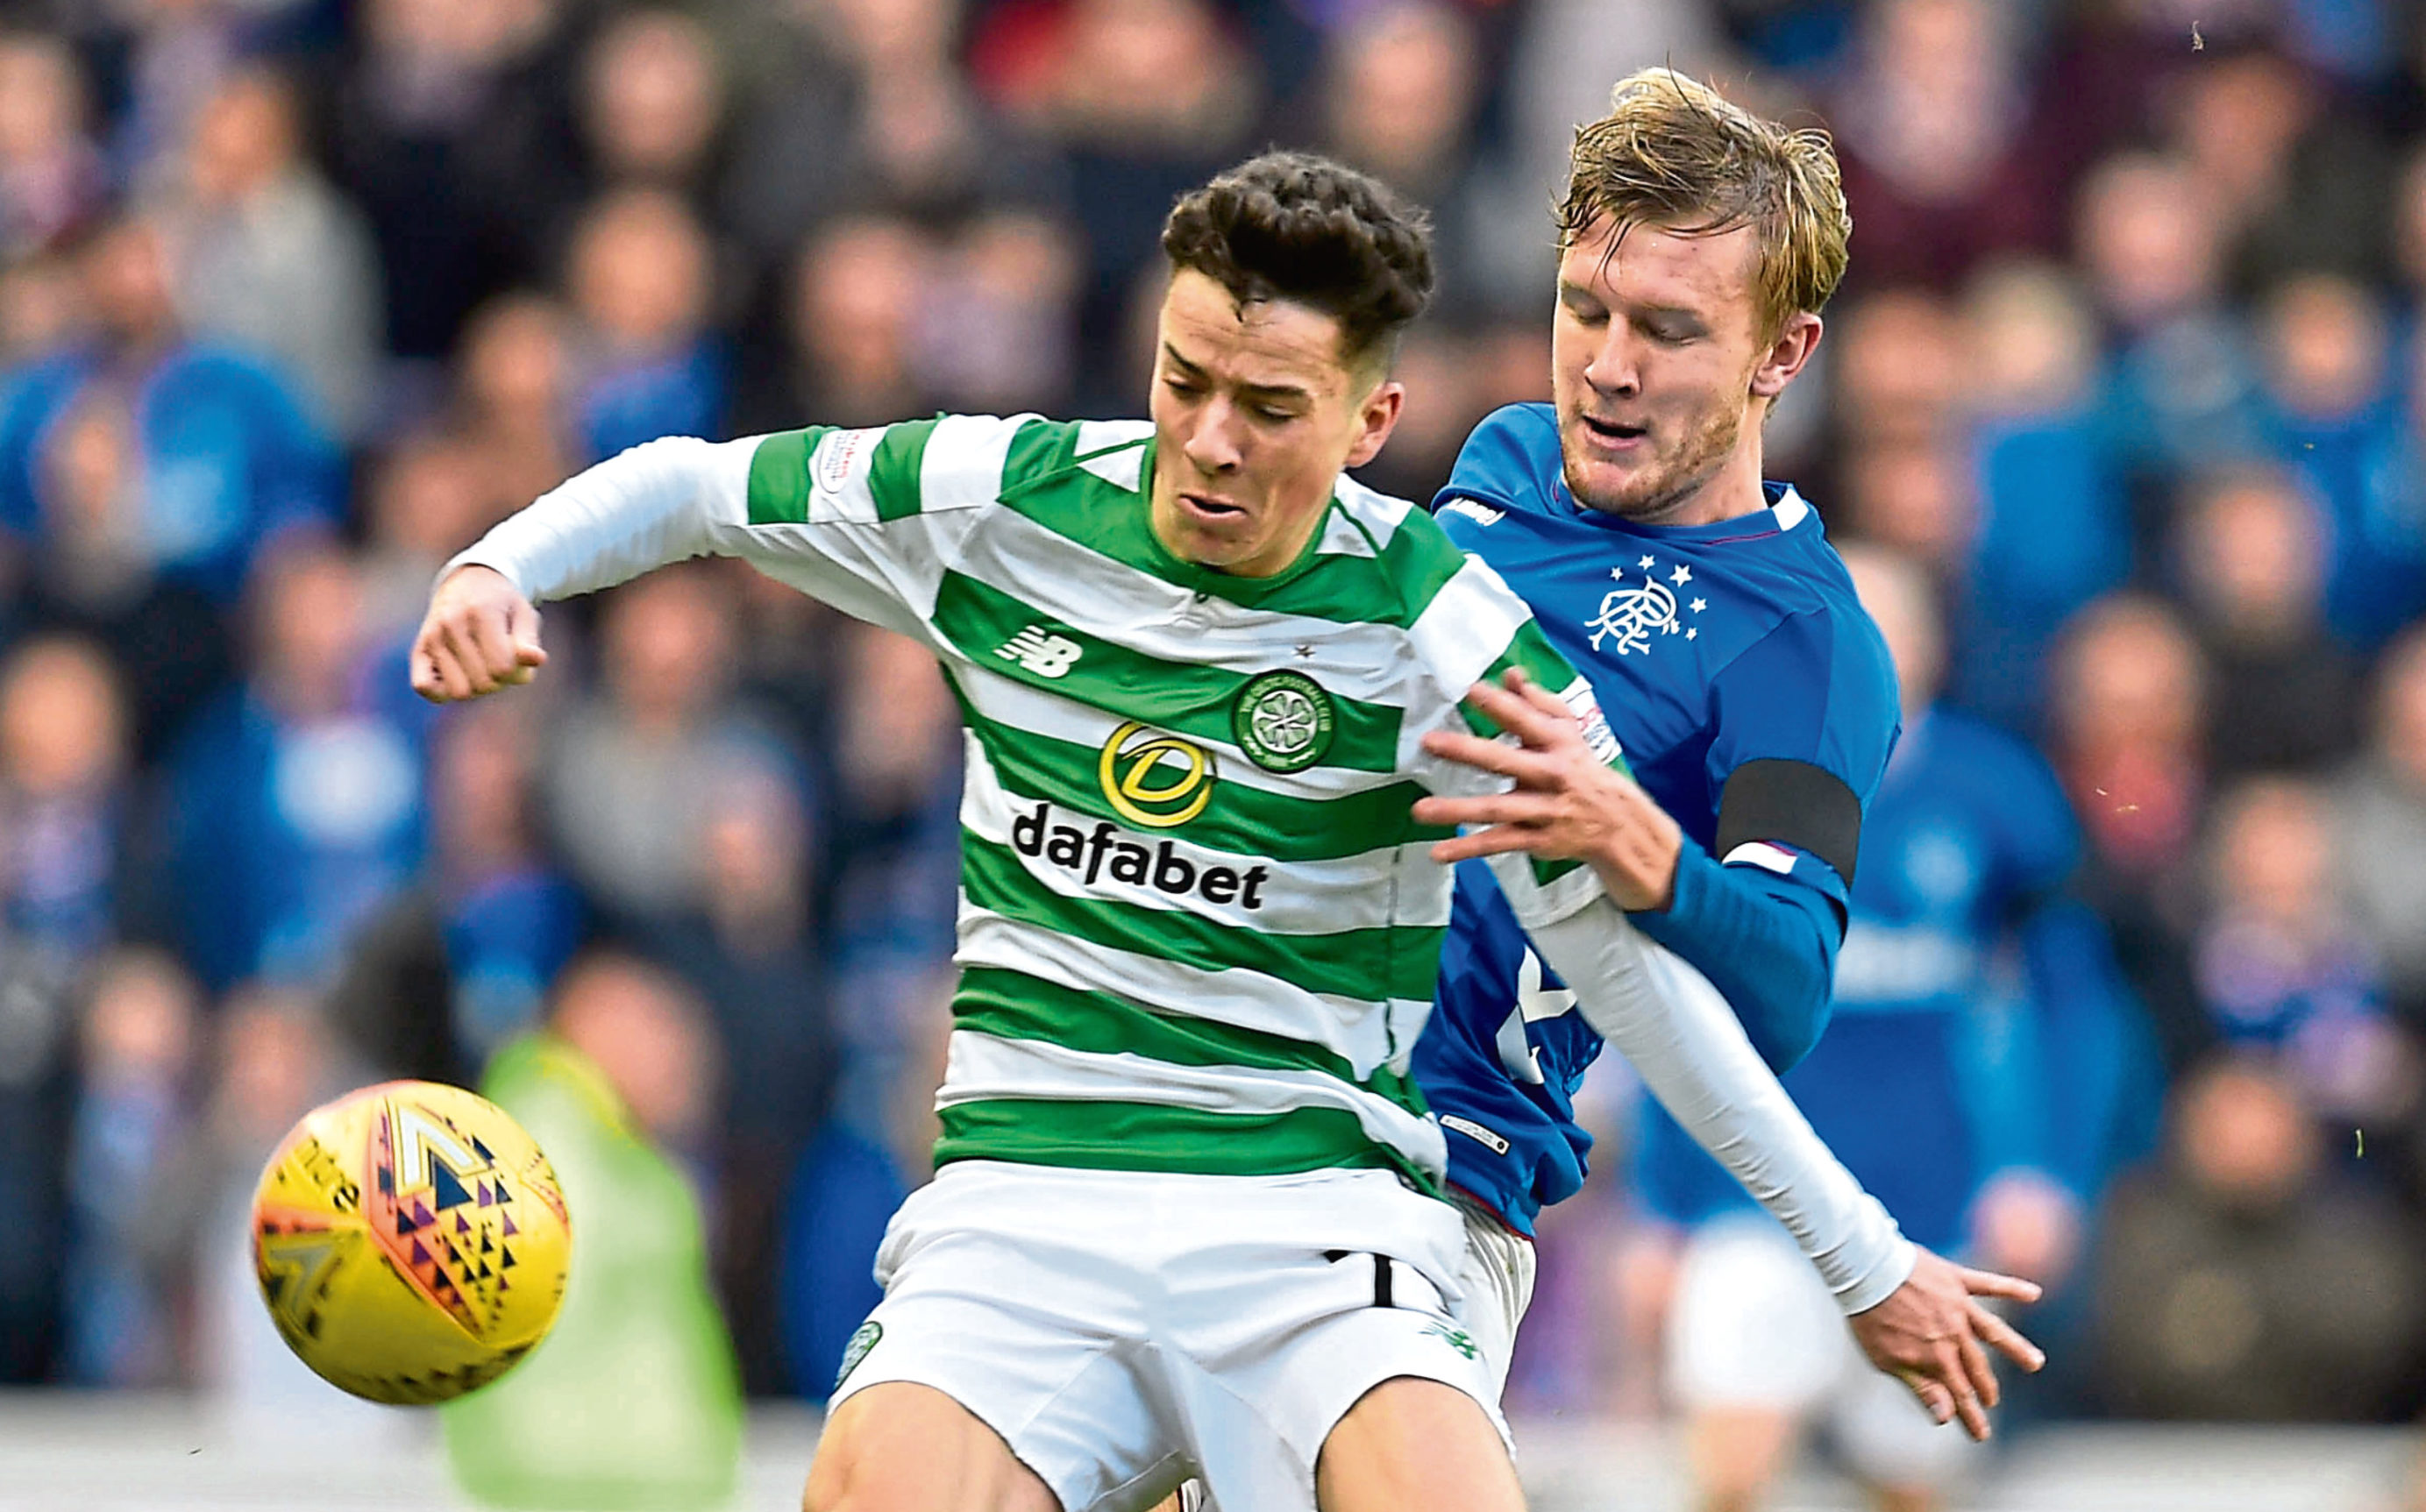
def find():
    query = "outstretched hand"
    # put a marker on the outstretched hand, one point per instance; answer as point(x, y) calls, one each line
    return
point(480, 635)
point(1567, 803)
point(1930, 1332)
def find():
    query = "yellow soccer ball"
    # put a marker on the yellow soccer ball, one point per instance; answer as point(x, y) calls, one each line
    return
point(410, 1240)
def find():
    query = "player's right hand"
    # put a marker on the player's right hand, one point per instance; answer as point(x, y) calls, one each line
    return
point(1930, 1332)
point(480, 635)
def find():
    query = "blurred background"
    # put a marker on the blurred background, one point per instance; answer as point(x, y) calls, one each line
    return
point(298, 297)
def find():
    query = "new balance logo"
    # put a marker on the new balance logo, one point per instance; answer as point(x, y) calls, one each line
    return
point(1042, 654)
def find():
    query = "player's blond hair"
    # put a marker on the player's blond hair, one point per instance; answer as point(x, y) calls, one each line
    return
point(1675, 154)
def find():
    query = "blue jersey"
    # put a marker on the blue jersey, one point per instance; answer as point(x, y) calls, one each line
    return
point(1920, 1084)
point(1716, 651)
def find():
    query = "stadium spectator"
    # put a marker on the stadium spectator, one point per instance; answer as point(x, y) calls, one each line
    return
point(2284, 969)
point(294, 804)
point(1397, 96)
point(2207, 1275)
point(1934, 125)
point(135, 1107)
point(94, 576)
point(52, 179)
point(635, 1401)
point(427, 499)
point(1913, 493)
point(652, 105)
point(994, 323)
point(640, 277)
point(1147, 98)
point(1899, 373)
point(751, 953)
point(512, 406)
point(2054, 526)
point(1559, 65)
point(456, 965)
point(451, 128)
point(2180, 380)
point(2380, 843)
point(227, 457)
point(40, 307)
point(65, 800)
point(2333, 416)
point(632, 769)
point(2298, 183)
point(270, 256)
point(2127, 731)
point(874, 113)
point(2252, 546)
point(853, 320)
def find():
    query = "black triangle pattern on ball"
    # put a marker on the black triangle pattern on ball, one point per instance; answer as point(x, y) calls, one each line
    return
point(449, 1189)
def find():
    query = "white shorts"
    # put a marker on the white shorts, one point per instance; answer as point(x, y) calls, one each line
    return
point(1752, 1326)
point(1124, 1330)
point(1497, 1279)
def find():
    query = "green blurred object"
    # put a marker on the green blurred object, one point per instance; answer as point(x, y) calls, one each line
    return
point(634, 1400)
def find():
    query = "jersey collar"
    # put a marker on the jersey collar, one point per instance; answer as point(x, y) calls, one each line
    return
point(1787, 511)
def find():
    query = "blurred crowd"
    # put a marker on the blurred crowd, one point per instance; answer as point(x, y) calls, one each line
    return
point(298, 297)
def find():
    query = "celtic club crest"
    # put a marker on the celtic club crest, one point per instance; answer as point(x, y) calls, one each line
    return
point(1634, 615)
point(1283, 721)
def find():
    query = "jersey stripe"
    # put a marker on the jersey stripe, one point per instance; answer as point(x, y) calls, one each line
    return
point(1185, 698)
point(1153, 1136)
point(1395, 961)
point(1015, 557)
point(1015, 1006)
point(896, 468)
point(778, 476)
point(980, 1068)
point(1364, 1031)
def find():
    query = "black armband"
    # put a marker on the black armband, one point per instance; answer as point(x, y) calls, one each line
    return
point(1793, 803)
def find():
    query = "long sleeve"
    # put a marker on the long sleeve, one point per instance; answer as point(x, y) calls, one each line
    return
point(643, 508)
point(1767, 942)
point(1688, 1048)
point(866, 521)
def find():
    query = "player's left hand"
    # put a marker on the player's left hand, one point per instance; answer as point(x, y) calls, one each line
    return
point(1567, 804)
point(1930, 1331)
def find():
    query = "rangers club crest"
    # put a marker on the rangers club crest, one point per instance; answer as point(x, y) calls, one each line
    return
point(1632, 614)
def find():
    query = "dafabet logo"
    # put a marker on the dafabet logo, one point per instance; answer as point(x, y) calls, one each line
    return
point(1153, 779)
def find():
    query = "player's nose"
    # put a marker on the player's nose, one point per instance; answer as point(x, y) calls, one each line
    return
point(1212, 442)
point(1614, 369)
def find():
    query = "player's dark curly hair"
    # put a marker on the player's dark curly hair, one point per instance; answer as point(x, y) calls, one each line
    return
point(1297, 227)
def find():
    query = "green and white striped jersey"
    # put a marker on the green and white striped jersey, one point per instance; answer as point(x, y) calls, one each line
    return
point(1198, 925)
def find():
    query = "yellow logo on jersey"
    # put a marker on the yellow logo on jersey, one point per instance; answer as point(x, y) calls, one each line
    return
point(1159, 780)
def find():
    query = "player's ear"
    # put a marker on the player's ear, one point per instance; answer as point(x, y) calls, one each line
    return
point(1377, 415)
point(1787, 355)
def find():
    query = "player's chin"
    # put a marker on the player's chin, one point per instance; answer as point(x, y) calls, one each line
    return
point(1219, 546)
point(1606, 484)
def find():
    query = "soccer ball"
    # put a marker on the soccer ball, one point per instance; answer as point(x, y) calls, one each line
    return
point(410, 1240)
